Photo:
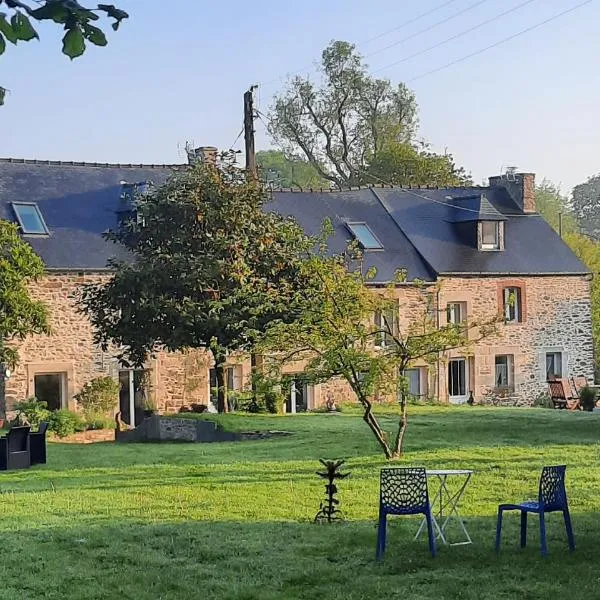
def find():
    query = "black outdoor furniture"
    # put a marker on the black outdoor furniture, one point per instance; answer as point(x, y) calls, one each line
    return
point(37, 445)
point(14, 449)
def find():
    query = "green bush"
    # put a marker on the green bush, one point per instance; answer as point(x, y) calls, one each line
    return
point(93, 421)
point(587, 397)
point(274, 401)
point(65, 422)
point(33, 411)
point(98, 396)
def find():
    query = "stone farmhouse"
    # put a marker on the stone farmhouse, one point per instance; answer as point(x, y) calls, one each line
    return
point(486, 247)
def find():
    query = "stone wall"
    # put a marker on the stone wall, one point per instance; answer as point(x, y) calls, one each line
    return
point(176, 379)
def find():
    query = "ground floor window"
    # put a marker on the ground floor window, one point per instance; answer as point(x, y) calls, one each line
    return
point(504, 371)
point(457, 379)
point(50, 388)
point(299, 396)
point(416, 382)
point(554, 365)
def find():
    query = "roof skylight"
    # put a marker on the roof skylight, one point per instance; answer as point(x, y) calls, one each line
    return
point(30, 218)
point(366, 238)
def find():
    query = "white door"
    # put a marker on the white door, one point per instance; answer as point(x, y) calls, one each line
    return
point(458, 376)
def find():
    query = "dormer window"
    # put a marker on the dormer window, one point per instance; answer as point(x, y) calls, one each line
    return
point(365, 237)
point(490, 235)
point(30, 218)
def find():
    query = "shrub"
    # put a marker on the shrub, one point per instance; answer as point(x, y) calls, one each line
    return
point(274, 401)
point(33, 411)
point(543, 401)
point(65, 422)
point(98, 396)
point(96, 421)
point(587, 397)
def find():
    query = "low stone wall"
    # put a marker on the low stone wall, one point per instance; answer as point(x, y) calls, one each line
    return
point(176, 429)
point(86, 437)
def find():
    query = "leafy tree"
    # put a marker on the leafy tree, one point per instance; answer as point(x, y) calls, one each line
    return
point(20, 315)
point(287, 172)
point(16, 26)
point(586, 206)
point(210, 269)
point(337, 335)
point(347, 121)
point(405, 164)
point(551, 204)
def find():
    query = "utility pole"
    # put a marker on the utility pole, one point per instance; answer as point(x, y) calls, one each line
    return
point(249, 133)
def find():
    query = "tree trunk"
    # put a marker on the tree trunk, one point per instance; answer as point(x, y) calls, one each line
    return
point(399, 445)
point(222, 405)
point(256, 364)
point(372, 422)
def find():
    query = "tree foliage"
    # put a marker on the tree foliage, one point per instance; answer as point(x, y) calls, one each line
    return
point(274, 167)
point(586, 206)
point(406, 164)
point(337, 335)
point(16, 18)
point(20, 315)
point(210, 269)
point(347, 121)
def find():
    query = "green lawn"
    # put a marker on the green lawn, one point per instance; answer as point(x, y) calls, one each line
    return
point(233, 521)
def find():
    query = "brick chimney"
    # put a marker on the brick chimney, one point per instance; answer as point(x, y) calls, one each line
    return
point(204, 154)
point(520, 186)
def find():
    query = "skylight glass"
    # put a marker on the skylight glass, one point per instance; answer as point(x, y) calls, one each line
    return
point(30, 218)
point(366, 238)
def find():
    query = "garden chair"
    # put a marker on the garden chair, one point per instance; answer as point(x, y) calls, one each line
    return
point(37, 445)
point(403, 492)
point(552, 497)
point(562, 396)
point(14, 449)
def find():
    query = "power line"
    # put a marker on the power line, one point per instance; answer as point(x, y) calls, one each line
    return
point(239, 135)
point(426, 29)
point(455, 37)
point(409, 22)
point(376, 37)
point(502, 41)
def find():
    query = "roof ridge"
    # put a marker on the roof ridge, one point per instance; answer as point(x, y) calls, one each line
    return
point(297, 189)
point(74, 163)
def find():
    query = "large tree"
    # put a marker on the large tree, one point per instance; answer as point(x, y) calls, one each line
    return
point(347, 330)
point(209, 269)
point(342, 124)
point(16, 23)
point(586, 206)
point(20, 314)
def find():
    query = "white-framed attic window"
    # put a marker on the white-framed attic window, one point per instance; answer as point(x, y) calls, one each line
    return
point(365, 237)
point(490, 235)
point(30, 218)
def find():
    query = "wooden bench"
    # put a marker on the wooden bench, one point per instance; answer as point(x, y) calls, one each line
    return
point(562, 395)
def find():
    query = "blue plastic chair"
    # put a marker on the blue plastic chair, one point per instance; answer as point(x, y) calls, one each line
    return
point(403, 492)
point(552, 498)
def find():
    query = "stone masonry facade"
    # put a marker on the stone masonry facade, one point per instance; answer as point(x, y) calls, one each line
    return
point(555, 318)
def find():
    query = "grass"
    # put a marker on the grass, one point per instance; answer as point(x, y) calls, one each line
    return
point(233, 520)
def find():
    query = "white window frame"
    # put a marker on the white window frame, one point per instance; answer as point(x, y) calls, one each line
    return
point(419, 371)
point(555, 354)
point(510, 371)
point(495, 245)
point(451, 307)
point(506, 292)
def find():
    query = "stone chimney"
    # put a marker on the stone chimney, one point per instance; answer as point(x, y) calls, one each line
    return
point(204, 154)
point(520, 186)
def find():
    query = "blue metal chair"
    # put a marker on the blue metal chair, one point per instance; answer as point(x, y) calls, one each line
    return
point(403, 492)
point(552, 497)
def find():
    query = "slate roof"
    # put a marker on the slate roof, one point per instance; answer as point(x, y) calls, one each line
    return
point(78, 202)
point(422, 230)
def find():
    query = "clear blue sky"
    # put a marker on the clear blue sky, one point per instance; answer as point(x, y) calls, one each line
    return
point(177, 70)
